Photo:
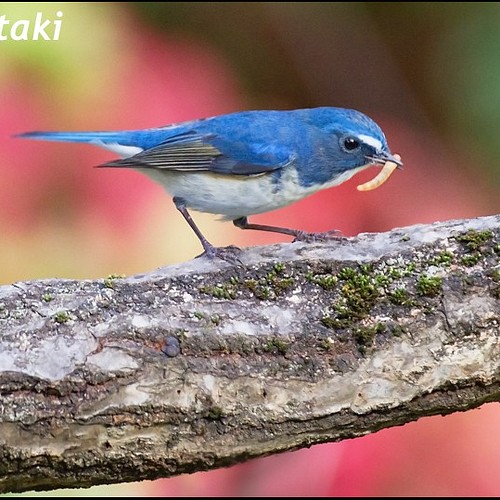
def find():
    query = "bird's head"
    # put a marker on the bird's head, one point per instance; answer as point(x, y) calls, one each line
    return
point(356, 140)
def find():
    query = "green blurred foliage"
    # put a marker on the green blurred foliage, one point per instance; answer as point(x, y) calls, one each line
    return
point(449, 53)
point(71, 63)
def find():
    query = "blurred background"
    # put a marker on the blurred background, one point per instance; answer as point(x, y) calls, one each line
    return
point(428, 73)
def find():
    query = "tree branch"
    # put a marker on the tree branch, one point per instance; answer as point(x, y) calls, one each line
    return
point(206, 364)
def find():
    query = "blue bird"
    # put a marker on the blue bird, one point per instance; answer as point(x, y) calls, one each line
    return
point(246, 163)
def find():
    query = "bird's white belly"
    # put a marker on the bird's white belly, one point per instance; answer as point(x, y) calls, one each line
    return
point(238, 196)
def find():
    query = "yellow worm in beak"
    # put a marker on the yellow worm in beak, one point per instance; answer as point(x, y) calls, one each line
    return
point(381, 177)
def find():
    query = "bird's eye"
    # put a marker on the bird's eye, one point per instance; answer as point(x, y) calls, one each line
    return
point(350, 144)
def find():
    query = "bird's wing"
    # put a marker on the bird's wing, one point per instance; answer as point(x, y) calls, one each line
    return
point(192, 152)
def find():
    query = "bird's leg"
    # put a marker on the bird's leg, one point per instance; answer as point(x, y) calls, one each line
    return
point(210, 251)
point(298, 235)
point(180, 204)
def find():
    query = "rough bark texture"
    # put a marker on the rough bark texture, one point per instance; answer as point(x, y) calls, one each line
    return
point(207, 364)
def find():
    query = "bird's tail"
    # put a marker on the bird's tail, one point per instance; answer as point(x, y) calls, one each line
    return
point(84, 137)
point(123, 142)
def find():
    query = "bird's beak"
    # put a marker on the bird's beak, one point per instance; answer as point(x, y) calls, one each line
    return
point(390, 162)
point(381, 157)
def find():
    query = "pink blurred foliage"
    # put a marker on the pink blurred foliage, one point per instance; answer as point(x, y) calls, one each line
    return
point(454, 455)
point(21, 179)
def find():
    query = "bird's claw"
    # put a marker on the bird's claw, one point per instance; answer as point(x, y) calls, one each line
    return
point(229, 254)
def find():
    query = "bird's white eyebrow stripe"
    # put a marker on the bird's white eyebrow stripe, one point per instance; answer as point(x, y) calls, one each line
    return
point(371, 141)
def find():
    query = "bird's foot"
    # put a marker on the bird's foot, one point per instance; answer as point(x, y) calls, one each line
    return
point(334, 234)
point(229, 254)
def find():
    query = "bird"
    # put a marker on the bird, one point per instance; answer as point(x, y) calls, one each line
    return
point(247, 162)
